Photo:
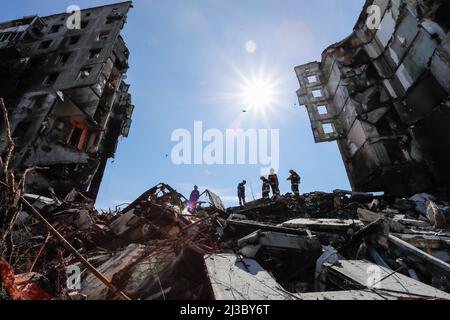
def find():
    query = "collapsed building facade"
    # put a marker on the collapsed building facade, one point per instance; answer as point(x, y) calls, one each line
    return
point(67, 101)
point(383, 95)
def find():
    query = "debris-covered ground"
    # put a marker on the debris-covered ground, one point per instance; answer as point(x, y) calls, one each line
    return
point(318, 246)
point(341, 245)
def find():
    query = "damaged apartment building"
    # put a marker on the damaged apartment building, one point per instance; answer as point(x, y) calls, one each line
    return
point(383, 95)
point(67, 101)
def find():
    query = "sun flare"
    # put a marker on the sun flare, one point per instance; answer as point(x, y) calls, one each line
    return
point(259, 93)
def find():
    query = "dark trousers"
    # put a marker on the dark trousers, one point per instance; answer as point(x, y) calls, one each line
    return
point(241, 200)
point(275, 190)
point(295, 189)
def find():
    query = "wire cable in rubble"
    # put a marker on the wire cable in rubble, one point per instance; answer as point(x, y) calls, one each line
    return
point(121, 295)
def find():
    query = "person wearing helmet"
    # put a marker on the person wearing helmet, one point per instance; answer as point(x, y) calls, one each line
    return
point(241, 193)
point(274, 183)
point(265, 188)
point(295, 182)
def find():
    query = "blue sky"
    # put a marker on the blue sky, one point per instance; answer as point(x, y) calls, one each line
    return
point(187, 58)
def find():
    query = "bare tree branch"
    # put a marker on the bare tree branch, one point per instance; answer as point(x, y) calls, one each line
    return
point(9, 141)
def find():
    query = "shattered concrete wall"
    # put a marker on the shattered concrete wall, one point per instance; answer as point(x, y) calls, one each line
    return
point(383, 95)
point(66, 98)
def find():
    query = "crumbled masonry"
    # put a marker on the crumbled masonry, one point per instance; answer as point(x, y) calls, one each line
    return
point(383, 95)
point(317, 246)
point(386, 96)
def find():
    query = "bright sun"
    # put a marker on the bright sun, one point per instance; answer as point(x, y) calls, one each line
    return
point(259, 93)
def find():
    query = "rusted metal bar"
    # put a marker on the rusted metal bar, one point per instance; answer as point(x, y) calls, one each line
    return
point(41, 249)
point(121, 295)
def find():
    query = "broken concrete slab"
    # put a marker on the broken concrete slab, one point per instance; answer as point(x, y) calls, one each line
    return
point(419, 256)
point(246, 227)
point(120, 261)
point(215, 201)
point(323, 225)
point(425, 242)
point(354, 295)
point(364, 274)
point(125, 222)
point(370, 216)
point(235, 278)
point(251, 244)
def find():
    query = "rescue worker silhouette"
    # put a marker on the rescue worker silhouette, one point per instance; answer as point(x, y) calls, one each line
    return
point(274, 183)
point(241, 193)
point(193, 199)
point(265, 188)
point(295, 182)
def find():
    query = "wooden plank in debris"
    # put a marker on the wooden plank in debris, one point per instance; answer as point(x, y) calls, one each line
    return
point(235, 278)
point(364, 273)
point(322, 224)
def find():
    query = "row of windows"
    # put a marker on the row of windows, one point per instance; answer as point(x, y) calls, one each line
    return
point(10, 36)
point(52, 77)
point(57, 27)
point(62, 59)
point(73, 40)
point(84, 23)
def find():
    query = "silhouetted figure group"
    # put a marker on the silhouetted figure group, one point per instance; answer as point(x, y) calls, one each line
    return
point(271, 183)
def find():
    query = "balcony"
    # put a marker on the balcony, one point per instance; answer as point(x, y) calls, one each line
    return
point(15, 36)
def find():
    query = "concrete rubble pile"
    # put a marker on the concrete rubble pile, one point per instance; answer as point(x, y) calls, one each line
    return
point(343, 245)
point(149, 250)
point(340, 245)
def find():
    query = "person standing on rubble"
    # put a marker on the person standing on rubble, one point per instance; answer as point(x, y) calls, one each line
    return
point(193, 199)
point(274, 183)
point(265, 188)
point(241, 193)
point(295, 182)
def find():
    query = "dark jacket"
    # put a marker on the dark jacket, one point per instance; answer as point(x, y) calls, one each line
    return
point(273, 180)
point(195, 195)
point(295, 178)
point(265, 186)
point(241, 190)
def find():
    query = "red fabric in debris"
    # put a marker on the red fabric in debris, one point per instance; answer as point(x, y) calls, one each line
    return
point(29, 291)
